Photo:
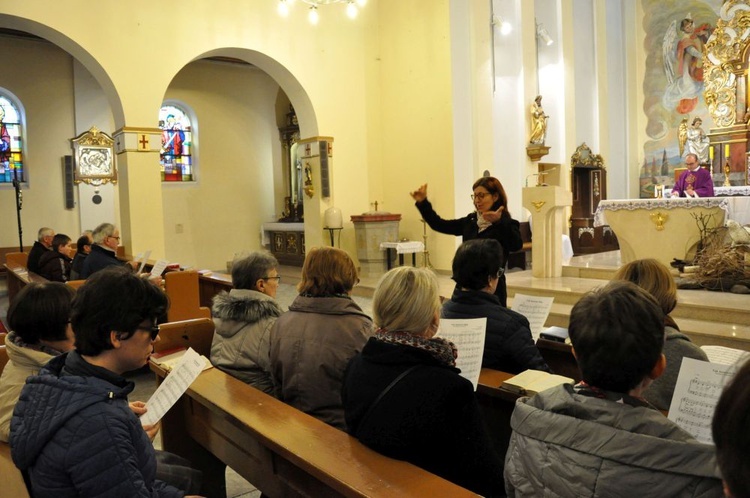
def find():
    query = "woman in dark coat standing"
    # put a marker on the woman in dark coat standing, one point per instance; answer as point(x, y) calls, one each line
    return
point(403, 395)
point(491, 220)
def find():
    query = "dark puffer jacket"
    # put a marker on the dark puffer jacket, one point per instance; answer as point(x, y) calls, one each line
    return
point(77, 436)
point(240, 347)
point(508, 345)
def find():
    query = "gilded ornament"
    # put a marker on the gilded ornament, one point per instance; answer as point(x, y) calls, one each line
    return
point(659, 219)
point(538, 205)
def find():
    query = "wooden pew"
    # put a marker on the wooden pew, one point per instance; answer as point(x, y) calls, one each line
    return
point(18, 277)
point(3, 351)
point(559, 357)
point(281, 450)
point(210, 285)
point(196, 333)
point(184, 297)
point(13, 484)
point(17, 258)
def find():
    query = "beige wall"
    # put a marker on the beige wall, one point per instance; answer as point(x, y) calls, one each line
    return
point(40, 75)
point(222, 212)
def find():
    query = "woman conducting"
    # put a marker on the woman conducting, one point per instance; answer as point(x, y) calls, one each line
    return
point(403, 395)
point(491, 220)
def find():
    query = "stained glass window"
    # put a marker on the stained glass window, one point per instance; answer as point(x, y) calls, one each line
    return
point(11, 142)
point(176, 158)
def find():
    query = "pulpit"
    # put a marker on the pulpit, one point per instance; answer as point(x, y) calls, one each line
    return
point(547, 207)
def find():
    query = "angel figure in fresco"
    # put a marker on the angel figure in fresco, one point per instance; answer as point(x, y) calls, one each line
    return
point(538, 122)
point(697, 141)
point(682, 134)
point(683, 64)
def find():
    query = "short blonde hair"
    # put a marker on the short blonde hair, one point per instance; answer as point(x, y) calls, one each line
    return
point(653, 277)
point(327, 271)
point(406, 300)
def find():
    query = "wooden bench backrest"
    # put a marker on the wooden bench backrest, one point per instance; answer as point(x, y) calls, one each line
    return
point(285, 452)
point(13, 484)
point(559, 357)
point(184, 296)
point(17, 259)
point(75, 284)
point(196, 333)
point(3, 352)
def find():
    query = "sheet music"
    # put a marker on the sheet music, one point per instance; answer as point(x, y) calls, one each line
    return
point(468, 336)
point(725, 356)
point(173, 386)
point(699, 385)
point(159, 267)
point(535, 309)
point(142, 258)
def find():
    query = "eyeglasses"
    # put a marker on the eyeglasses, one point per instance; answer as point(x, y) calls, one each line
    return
point(113, 237)
point(500, 272)
point(153, 330)
point(277, 277)
point(479, 196)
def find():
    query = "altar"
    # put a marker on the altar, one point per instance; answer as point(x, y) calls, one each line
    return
point(662, 229)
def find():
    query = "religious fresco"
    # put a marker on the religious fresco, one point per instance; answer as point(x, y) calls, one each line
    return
point(677, 116)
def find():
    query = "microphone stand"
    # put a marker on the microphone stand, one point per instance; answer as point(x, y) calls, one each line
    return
point(19, 206)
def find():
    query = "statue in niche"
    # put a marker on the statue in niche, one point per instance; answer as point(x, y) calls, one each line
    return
point(538, 122)
point(697, 142)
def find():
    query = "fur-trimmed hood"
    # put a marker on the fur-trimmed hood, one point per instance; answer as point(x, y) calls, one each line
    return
point(243, 305)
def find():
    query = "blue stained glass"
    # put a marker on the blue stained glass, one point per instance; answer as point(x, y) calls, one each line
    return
point(11, 151)
point(176, 144)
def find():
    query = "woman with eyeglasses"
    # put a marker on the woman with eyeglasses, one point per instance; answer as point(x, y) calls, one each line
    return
point(323, 329)
point(38, 320)
point(491, 220)
point(244, 317)
point(508, 345)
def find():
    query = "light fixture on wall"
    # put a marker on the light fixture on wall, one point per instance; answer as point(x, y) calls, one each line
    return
point(543, 35)
point(504, 26)
point(352, 7)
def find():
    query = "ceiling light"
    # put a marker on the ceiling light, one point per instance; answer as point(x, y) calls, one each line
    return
point(543, 35)
point(505, 27)
point(313, 16)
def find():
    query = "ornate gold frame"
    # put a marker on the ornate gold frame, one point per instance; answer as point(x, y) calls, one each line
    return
point(725, 64)
point(94, 155)
point(584, 158)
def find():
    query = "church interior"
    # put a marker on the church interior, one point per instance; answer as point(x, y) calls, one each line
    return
point(306, 135)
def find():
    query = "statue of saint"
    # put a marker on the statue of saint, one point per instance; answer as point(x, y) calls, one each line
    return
point(697, 142)
point(538, 122)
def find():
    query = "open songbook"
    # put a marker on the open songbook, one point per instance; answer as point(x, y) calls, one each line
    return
point(532, 382)
point(170, 358)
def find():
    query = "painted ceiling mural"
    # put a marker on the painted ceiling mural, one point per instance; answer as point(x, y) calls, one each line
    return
point(676, 112)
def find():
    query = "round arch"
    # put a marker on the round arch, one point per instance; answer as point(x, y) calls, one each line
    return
point(287, 81)
point(76, 51)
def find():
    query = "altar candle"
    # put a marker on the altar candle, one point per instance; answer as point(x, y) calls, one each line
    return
point(711, 153)
point(726, 150)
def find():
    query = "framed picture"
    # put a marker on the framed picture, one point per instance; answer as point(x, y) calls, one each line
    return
point(94, 158)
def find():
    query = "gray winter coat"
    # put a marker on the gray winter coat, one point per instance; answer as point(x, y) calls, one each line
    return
point(243, 320)
point(310, 348)
point(570, 445)
point(676, 347)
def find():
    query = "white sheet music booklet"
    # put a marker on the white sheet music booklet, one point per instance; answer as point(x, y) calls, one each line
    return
point(468, 336)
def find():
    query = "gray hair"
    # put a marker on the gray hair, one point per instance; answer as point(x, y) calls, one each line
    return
point(247, 269)
point(102, 232)
point(44, 232)
point(406, 300)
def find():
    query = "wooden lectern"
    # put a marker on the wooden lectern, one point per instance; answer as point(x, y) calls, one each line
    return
point(547, 206)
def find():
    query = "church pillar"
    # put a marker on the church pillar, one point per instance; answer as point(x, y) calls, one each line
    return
point(316, 154)
point(140, 189)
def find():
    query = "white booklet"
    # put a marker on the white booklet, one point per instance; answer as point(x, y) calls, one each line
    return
point(468, 336)
point(159, 268)
point(698, 388)
point(724, 355)
point(535, 309)
point(173, 386)
point(141, 258)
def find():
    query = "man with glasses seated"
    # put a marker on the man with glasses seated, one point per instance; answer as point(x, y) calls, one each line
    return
point(73, 430)
point(104, 250)
point(508, 345)
point(243, 318)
